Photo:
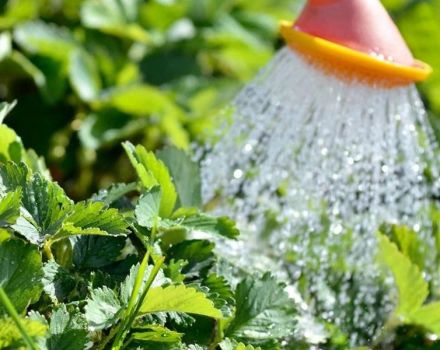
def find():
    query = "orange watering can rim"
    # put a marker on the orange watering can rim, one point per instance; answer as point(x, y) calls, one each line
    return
point(321, 48)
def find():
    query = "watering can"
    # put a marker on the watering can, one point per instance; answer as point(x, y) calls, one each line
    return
point(354, 38)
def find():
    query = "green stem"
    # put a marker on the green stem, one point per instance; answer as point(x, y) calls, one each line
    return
point(107, 339)
point(218, 336)
point(14, 315)
point(148, 285)
point(154, 229)
point(47, 250)
point(132, 313)
point(132, 302)
point(141, 238)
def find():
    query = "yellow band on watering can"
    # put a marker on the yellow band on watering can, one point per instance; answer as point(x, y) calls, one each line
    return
point(355, 62)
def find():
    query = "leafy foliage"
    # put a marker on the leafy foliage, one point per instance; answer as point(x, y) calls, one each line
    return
point(10, 208)
point(412, 288)
point(124, 277)
point(262, 311)
point(20, 273)
point(115, 70)
point(10, 336)
point(67, 330)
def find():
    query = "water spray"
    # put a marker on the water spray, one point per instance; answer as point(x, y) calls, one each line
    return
point(329, 141)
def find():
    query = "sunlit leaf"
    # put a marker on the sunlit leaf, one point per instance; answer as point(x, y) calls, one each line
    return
point(103, 309)
point(153, 172)
point(179, 299)
point(186, 176)
point(84, 75)
point(45, 39)
point(10, 335)
point(115, 18)
point(412, 288)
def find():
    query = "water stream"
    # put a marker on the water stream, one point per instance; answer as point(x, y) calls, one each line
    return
point(310, 165)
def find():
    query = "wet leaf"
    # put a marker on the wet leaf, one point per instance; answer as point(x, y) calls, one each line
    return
point(20, 273)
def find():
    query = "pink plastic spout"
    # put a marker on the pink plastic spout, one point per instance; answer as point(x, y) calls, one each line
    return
point(362, 25)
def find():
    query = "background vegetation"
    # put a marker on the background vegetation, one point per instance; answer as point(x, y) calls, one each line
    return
point(88, 74)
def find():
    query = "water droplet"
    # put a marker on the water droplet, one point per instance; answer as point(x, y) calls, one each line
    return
point(238, 173)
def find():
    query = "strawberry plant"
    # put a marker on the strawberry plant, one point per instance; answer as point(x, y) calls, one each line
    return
point(125, 269)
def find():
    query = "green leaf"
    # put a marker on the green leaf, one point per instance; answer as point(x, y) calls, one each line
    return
point(148, 208)
point(156, 334)
point(5, 109)
point(47, 206)
point(139, 100)
point(153, 172)
point(114, 17)
point(10, 208)
point(229, 344)
point(179, 299)
point(109, 127)
point(38, 37)
point(93, 218)
point(10, 336)
point(58, 283)
point(37, 164)
point(186, 176)
point(17, 65)
point(145, 176)
point(222, 226)
point(409, 244)
point(84, 75)
point(5, 51)
point(198, 253)
point(67, 331)
point(129, 282)
point(412, 288)
point(14, 176)
point(220, 292)
point(144, 100)
point(103, 309)
point(92, 252)
point(8, 138)
point(114, 193)
point(427, 316)
point(16, 11)
point(263, 311)
point(20, 273)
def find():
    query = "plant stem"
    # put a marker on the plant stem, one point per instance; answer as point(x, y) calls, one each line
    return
point(14, 315)
point(47, 250)
point(150, 281)
point(132, 302)
point(154, 229)
point(132, 313)
point(218, 336)
point(107, 339)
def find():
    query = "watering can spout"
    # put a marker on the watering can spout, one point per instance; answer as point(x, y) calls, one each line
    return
point(363, 26)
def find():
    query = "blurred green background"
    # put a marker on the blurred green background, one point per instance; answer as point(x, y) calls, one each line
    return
point(89, 74)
